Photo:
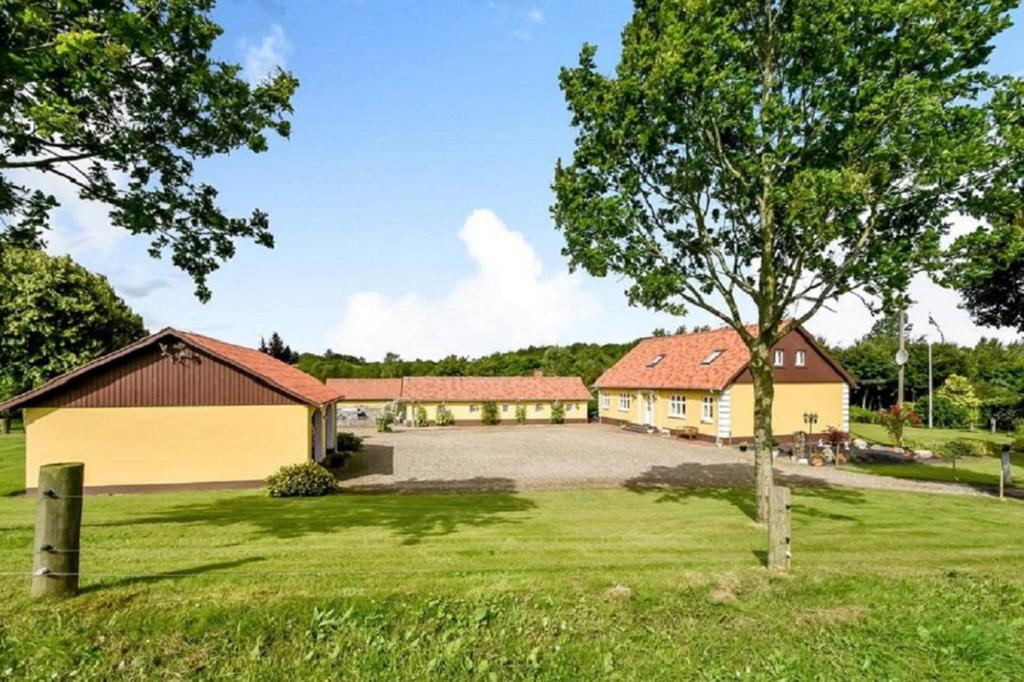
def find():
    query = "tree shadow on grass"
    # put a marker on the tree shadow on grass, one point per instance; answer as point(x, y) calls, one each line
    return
point(186, 572)
point(734, 483)
point(412, 517)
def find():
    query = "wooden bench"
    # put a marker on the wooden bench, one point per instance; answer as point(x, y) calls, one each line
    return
point(688, 432)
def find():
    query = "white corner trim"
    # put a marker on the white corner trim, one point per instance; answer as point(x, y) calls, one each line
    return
point(846, 407)
point(725, 415)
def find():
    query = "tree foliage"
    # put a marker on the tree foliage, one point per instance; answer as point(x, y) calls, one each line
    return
point(120, 99)
point(55, 316)
point(776, 155)
point(277, 348)
point(987, 268)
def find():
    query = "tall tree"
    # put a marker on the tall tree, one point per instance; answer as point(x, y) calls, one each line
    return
point(277, 348)
point(119, 99)
point(772, 155)
point(55, 316)
point(987, 267)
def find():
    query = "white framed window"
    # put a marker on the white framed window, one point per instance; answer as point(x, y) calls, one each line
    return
point(569, 407)
point(474, 408)
point(539, 407)
point(800, 358)
point(625, 402)
point(780, 358)
point(504, 408)
point(677, 406)
point(707, 414)
point(606, 401)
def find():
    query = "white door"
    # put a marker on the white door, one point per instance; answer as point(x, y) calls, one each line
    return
point(649, 405)
point(318, 436)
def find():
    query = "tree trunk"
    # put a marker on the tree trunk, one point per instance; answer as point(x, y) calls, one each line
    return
point(764, 396)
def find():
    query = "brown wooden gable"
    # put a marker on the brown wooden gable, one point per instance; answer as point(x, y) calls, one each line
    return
point(148, 377)
point(819, 369)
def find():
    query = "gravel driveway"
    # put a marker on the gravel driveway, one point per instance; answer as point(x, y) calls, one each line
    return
point(538, 457)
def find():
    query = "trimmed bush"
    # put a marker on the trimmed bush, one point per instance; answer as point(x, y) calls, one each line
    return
point(965, 447)
point(385, 420)
point(420, 418)
point(557, 413)
point(349, 442)
point(489, 413)
point(300, 480)
point(444, 416)
point(520, 414)
point(862, 415)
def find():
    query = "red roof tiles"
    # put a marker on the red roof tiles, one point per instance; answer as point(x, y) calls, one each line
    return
point(367, 389)
point(462, 389)
point(280, 374)
point(681, 365)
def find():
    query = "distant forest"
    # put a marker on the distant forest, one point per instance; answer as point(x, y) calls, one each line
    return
point(994, 369)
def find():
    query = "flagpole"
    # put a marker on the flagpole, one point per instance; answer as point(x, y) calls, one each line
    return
point(931, 400)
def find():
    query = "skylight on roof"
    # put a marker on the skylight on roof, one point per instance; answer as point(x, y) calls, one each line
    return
point(712, 356)
point(655, 360)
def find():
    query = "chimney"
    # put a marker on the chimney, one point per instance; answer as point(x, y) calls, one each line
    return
point(538, 372)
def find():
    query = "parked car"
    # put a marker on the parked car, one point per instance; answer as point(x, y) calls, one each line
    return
point(350, 413)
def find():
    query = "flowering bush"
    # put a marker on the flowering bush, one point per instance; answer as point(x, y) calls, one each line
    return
point(895, 419)
point(384, 420)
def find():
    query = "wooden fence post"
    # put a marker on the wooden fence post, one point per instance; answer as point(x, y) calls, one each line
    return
point(779, 505)
point(1005, 470)
point(58, 530)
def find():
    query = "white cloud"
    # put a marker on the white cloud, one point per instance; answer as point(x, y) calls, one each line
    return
point(849, 319)
point(535, 16)
point(263, 58)
point(507, 303)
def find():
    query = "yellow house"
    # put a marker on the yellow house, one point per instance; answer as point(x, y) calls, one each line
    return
point(177, 410)
point(372, 395)
point(700, 385)
point(464, 397)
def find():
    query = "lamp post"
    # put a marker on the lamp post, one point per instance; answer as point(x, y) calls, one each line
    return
point(810, 418)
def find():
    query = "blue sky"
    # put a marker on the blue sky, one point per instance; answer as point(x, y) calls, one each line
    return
point(410, 206)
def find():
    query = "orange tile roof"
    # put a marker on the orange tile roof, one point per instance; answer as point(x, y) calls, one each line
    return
point(681, 366)
point(280, 374)
point(367, 389)
point(493, 388)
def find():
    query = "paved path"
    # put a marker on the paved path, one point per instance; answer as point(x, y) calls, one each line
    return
point(578, 456)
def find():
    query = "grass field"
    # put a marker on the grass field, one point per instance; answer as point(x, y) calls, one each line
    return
point(510, 585)
point(924, 438)
point(970, 470)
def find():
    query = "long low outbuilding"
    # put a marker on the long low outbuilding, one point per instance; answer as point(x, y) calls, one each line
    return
point(464, 397)
point(177, 410)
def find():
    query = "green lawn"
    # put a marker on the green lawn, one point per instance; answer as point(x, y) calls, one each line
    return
point(513, 585)
point(12, 463)
point(925, 438)
point(970, 470)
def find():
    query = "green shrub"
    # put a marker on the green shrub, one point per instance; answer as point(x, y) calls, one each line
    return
point(444, 416)
point(520, 414)
point(489, 413)
point(300, 480)
point(862, 415)
point(1018, 426)
point(895, 420)
point(349, 442)
point(964, 447)
point(385, 420)
point(421, 416)
point(557, 413)
point(1017, 445)
point(956, 405)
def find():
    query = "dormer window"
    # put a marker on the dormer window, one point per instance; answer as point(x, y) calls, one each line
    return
point(655, 360)
point(712, 356)
point(780, 358)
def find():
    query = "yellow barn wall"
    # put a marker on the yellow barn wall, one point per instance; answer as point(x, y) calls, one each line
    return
point(613, 411)
point(791, 402)
point(461, 410)
point(159, 445)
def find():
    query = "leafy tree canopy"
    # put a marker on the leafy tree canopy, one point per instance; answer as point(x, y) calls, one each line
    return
point(55, 316)
point(987, 267)
point(120, 99)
